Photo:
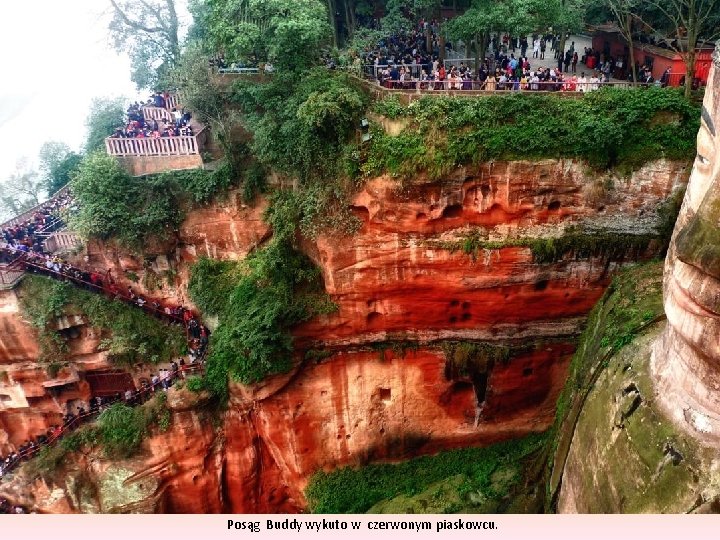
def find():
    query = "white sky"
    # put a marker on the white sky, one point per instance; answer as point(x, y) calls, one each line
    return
point(54, 58)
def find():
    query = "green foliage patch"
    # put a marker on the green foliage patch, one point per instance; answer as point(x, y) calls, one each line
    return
point(606, 128)
point(578, 243)
point(135, 210)
point(302, 126)
point(119, 432)
point(128, 334)
point(257, 302)
point(356, 490)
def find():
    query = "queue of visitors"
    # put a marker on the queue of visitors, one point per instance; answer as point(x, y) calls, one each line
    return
point(22, 246)
point(28, 234)
point(7, 508)
point(138, 127)
point(512, 74)
point(72, 420)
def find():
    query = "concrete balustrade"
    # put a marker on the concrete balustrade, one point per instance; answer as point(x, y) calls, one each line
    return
point(163, 146)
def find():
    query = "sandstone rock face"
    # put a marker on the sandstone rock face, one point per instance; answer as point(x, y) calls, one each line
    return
point(178, 471)
point(380, 389)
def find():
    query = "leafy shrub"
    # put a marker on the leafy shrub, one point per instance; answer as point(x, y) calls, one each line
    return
point(113, 204)
point(273, 289)
point(257, 302)
point(121, 430)
point(195, 384)
point(128, 334)
point(607, 128)
point(255, 182)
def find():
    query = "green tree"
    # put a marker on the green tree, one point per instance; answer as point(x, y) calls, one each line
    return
point(476, 24)
point(57, 163)
point(300, 124)
point(624, 13)
point(287, 33)
point(24, 189)
point(687, 23)
point(148, 31)
point(205, 97)
point(105, 115)
point(114, 204)
point(565, 16)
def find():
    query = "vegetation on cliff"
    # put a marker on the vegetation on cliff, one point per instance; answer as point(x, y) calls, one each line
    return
point(129, 335)
point(578, 243)
point(633, 300)
point(135, 210)
point(119, 432)
point(608, 128)
point(257, 302)
point(475, 477)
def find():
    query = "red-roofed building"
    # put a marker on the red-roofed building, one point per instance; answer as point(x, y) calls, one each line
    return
point(607, 38)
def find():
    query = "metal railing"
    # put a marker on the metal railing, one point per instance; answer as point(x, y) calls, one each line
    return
point(172, 102)
point(458, 87)
point(239, 71)
point(61, 241)
point(11, 274)
point(137, 397)
point(29, 214)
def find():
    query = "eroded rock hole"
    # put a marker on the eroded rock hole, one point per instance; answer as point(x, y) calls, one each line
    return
point(454, 303)
point(361, 212)
point(420, 215)
point(480, 383)
point(629, 389)
point(675, 456)
point(541, 285)
point(385, 394)
point(554, 206)
point(527, 371)
point(452, 211)
point(373, 318)
point(466, 316)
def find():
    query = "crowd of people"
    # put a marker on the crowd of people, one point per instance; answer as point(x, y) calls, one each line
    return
point(162, 381)
point(138, 127)
point(27, 235)
point(403, 61)
point(510, 74)
point(21, 245)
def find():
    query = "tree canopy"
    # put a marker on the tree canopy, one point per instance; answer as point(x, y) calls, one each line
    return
point(287, 33)
point(57, 163)
point(148, 31)
point(105, 115)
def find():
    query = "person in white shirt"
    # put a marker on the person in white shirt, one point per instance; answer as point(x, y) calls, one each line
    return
point(594, 82)
point(582, 83)
point(536, 48)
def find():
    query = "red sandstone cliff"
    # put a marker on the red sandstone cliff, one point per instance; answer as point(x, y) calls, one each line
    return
point(392, 281)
